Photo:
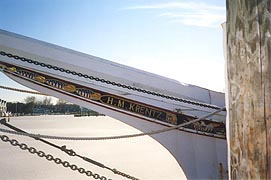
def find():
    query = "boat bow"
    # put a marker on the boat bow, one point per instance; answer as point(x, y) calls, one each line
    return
point(144, 100)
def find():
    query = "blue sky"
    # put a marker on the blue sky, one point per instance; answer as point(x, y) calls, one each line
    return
point(180, 39)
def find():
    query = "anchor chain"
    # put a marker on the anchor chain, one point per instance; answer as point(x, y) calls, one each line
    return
point(56, 68)
point(50, 157)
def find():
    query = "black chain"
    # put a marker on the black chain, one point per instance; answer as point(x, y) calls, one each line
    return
point(49, 157)
point(106, 81)
point(70, 152)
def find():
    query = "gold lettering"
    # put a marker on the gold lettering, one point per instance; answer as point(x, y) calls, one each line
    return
point(142, 110)
point(121, 104)
point(148, 112)
point(131, 108)
point(110, 100)
point(137, 109)
point(158, 116)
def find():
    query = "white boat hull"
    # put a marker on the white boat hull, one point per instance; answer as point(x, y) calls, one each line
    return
point(143, 100)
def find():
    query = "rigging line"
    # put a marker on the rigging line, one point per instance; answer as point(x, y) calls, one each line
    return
point(22, 90)
point(113, 137)
point(70, 152)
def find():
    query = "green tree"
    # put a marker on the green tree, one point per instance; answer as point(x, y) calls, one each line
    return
point(61, 101)
point(30, 99)
point(29, 104)
point(47, 101)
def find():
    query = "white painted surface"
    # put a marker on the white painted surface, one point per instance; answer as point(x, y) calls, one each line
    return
point(198, 155)
point(141, 157)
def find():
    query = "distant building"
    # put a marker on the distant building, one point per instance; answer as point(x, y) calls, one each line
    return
point(3, 108)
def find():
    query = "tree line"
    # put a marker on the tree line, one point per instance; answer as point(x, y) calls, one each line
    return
point(33, 106)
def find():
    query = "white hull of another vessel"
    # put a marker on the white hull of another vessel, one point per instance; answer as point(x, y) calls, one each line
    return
point(143, 100)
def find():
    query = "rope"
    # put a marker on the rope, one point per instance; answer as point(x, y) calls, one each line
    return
point(23, 91)
point(111, 137)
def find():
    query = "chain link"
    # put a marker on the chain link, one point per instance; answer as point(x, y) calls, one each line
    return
point(106, 81)
point(124, 175)
point(63, 148)
point(49, 157)
point(114, 137)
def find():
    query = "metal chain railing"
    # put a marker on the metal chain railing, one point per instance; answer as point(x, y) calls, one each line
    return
point(51, 158)
point(56, 68)
point(112, 137)
point(70, 152)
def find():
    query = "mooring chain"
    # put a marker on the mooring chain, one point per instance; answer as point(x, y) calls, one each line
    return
point(56, 68)
point(50, 157)
point(113, 137)
point(115, 171)
point(70, 152)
